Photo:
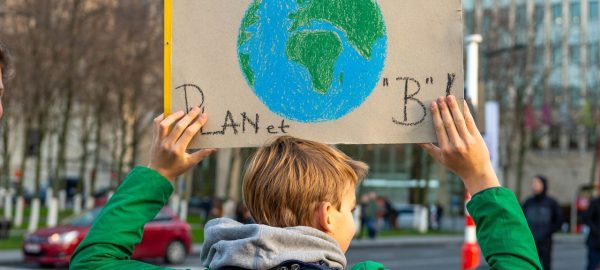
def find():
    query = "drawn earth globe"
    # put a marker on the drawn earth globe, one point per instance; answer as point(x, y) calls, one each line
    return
point(312, 60)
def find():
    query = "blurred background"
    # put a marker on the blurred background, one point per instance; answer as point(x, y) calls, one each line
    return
point(86, 82)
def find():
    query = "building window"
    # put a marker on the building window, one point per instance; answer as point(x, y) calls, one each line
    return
point(575, 13)
point(557, 56)
point(594, 54)
point(575, 95)
point(539, 16)
point(538, 56)
point(469, 22)
point(522, 16)
point(593, 7)
point(487, 24)
point(557, 13)
point(575, 54)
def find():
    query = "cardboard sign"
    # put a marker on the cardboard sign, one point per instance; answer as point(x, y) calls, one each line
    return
point(335, 71)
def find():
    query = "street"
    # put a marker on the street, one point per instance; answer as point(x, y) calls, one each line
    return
point(415, 254)
point(567, 256)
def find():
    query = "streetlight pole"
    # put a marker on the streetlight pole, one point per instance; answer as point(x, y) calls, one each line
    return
point(471, 257)
point(472, 77)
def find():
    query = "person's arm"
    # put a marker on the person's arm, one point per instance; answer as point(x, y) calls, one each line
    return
point(502, 231)
point(112, 238)
point(119, 227)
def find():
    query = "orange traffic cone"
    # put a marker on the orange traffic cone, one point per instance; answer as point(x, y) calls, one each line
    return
point(470, 250)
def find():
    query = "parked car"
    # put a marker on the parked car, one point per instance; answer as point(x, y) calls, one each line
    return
point(406, 216)
point(101, 197)
point(166, 236)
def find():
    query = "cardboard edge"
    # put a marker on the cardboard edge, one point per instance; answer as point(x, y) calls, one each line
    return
point(168, 40)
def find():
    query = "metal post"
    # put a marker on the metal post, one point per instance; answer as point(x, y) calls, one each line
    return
point(472, 69)
point(471, 257)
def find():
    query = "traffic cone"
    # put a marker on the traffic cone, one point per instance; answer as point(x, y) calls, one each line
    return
point(470, 250)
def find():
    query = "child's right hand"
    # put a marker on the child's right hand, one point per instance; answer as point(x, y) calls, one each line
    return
point(461, 147)
point(172, 135)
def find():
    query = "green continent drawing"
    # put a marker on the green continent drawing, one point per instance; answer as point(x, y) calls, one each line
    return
point(318, 52)
point(364, 26)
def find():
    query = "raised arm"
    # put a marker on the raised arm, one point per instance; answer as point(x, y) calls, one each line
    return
point(112, 238)
point(502, 231)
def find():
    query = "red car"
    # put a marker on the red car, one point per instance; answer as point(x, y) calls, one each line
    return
point(166, 236)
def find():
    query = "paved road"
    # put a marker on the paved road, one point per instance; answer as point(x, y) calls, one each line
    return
point(569, 254)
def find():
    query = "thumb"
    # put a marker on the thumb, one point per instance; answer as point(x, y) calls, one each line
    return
point(432, 150)
point(198, 156)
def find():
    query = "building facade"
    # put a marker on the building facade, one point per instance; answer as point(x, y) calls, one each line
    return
point(540, 60)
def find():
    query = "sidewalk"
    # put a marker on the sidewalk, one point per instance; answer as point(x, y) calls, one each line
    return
point(12, 256)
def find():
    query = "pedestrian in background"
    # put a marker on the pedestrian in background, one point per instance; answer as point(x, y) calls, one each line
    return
point(369, 214)
point(543, 216)
point(592, 220)
point(437, 212)
point(391, 215)
point(242, 214)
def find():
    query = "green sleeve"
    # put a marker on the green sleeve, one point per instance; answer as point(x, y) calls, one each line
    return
point(119, 226)
point(502, 231)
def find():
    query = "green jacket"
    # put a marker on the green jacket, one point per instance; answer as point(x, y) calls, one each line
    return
point(502, 230)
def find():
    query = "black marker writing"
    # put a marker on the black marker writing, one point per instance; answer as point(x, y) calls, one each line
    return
point(185, 93)
point(451, 78)
point(254, 123)
point(410, 97)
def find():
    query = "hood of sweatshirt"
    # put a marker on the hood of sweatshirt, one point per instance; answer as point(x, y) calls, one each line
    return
point(228, 243)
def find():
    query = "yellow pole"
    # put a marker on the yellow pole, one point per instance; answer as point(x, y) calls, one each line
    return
point(168, 34)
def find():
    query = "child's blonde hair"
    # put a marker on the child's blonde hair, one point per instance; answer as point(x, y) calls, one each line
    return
point(287, 179)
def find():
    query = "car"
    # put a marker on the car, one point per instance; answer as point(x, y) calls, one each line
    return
point(166, 236)
point(406, 216)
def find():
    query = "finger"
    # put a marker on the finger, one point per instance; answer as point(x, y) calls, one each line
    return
point(459, 120)
point(156, 129)
point(438, 124)
point(159, 119)
point(191, 131)
point(432, 150)
point(182, 125)
point(448, 122)
point(469, 121)
point(165, 125)
point(198, 156)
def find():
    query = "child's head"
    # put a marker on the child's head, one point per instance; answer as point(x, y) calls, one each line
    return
point(294, 182)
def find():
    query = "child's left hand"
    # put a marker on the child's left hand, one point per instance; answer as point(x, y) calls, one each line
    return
point(461, 146)
point(172, 135)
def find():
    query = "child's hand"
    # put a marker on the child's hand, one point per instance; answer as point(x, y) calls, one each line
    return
point(168, 155)
point(461, 147)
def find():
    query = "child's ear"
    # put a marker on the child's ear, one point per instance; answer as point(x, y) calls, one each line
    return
point(324, 217)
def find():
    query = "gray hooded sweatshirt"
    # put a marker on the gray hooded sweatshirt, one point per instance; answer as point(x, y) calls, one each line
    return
point(229, 243)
